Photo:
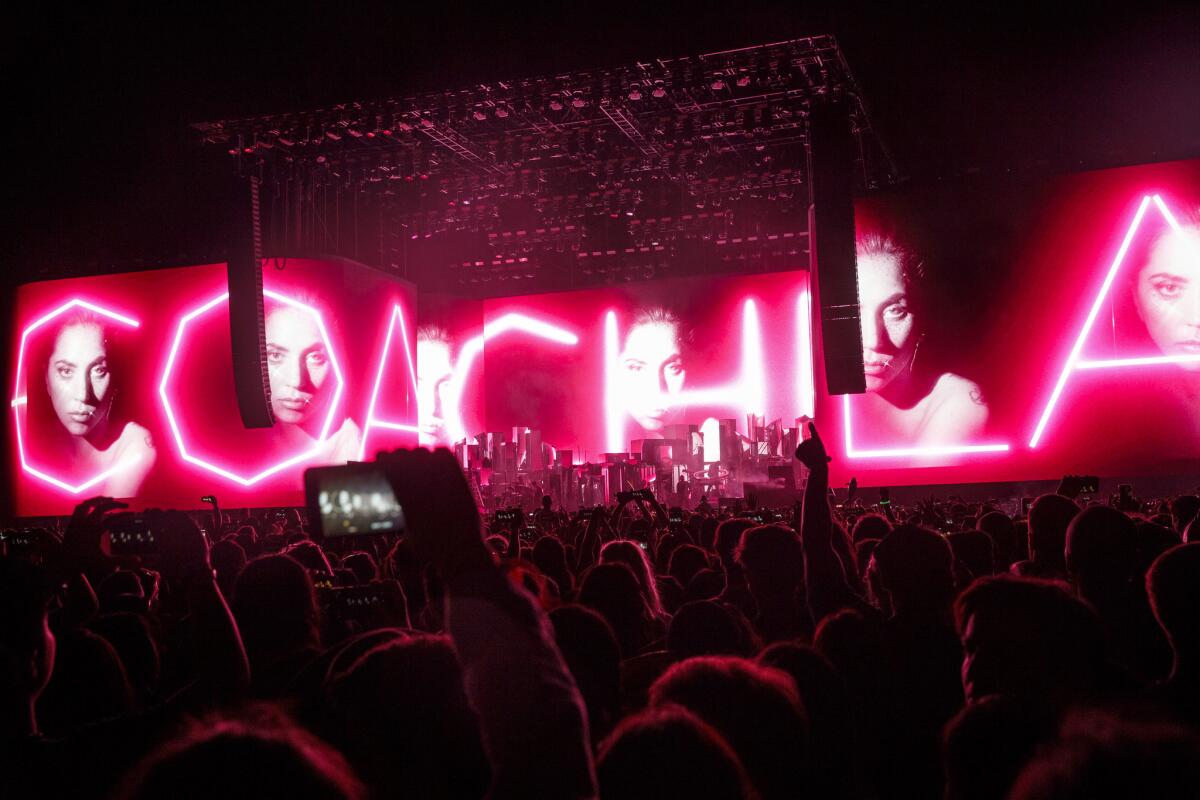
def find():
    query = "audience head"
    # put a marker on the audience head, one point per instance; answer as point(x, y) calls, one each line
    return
point(228, 559)
point(756, 709)
point(669, 752)
point(1000, 528)
point(629, 553)
point(871, 526)
point(612, 590)
point(1049, 516)
point(729, 535)
point(1101, 550)
point(1029, 638)
point(989, 741)
point(914, 567)
point(685, 562)
point(400, 713)
point(276, 606)
point(1099, 756)
point(88, 684)
point(1173, 586)
point(1183, 510)
point(263, 755)
point(772, 559)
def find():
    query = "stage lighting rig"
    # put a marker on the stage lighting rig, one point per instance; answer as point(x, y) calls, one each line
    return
point(621, 156)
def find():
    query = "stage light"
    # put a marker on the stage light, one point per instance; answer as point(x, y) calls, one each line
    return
point(717, 85)
point(1073, 361)
point(635, 94)
point(20, 401)
point(173, 423)
point(555, 105)
point(926, 451)
point(659, 91)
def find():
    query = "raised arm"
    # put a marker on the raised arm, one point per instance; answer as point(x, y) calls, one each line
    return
point(531, 713)
point(824, 574)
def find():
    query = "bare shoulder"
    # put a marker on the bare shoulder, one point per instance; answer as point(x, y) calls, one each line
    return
point(957, 391)
point(136, 439)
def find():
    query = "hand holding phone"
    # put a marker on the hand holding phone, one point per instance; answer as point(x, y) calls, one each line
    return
point(442, 520)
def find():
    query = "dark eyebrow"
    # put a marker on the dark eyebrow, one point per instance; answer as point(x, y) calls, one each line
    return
point(1169, 276)
point(62, 362)
point(631, 358)
point(99, 360)
point(894, 298)
point(277, 347)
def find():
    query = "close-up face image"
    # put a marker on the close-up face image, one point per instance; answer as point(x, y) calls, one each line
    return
point(888, 324)
point(78, 378)
point(1166, 293)
point(652, 370)
point(434, 369)
point(297, 364)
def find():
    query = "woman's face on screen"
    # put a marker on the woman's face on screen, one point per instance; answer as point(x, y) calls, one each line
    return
point(652, 372)
point(889, 338)
point(297, 365)
point(78, 379)
point(434, 370)
point(1167, 295)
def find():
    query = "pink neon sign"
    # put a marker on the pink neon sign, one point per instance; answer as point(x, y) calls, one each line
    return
point(20, 401)
point(396, 318)
point(926, 451)
point(168, 409)
point(1074, 361)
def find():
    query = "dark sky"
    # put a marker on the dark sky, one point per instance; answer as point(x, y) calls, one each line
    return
point(105, 169)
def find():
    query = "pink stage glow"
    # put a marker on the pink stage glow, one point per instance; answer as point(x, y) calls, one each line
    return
point(452, 401)
point(20, 400)
point(747, 393)
point(397, 317)
point(911, 452)
point(1073, 361)
point(177, 434)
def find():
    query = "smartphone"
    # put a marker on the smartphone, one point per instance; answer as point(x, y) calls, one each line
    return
point(885, 496)
point(1026, 504)
point(349, 602)
point(132, 535)
point(1089, 484)
point(18, 542)
point(351, 500)
point(675, 515)
point(508, 516)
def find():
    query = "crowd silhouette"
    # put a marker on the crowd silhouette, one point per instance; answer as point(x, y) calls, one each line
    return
point(941, 650)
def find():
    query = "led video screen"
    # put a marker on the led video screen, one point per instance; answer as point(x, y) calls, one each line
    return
point(123, 384)
point(596, 370)
point(1026, 329)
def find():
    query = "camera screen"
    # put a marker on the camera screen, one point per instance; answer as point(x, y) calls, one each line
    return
point(353, 500)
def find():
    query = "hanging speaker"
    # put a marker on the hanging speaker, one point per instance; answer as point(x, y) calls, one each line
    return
point(831, 243)
point(246, 324)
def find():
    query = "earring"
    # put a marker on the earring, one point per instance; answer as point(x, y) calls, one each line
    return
point(916, 349)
